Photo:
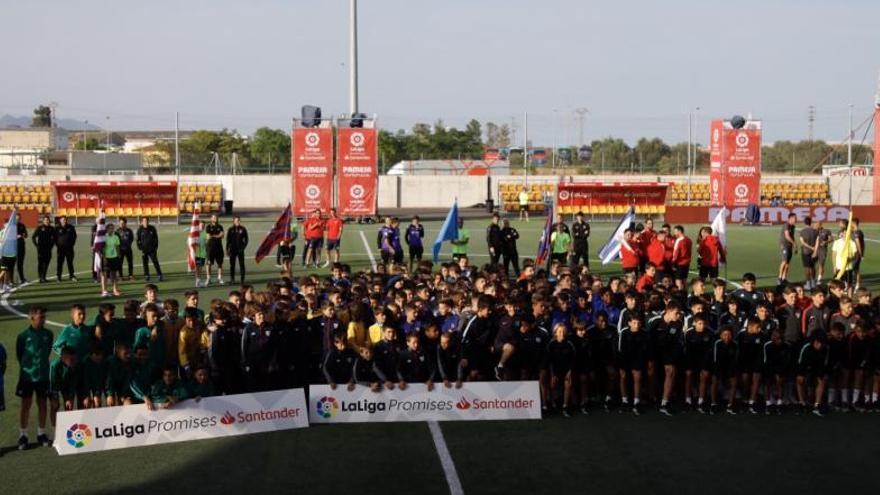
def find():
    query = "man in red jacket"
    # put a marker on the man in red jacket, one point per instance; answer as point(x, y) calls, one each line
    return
point(711, 254)
point(681, 256)
point(629, 254)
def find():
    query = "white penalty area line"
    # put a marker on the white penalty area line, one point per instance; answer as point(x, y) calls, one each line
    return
point(445, 459)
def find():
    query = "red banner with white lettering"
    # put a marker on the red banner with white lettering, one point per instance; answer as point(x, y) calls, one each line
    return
point(312, 168)
point(75, 196)
point(715, 176)
point(610, 194)
point(877, 155)
point(741, 164)
point(357, 173)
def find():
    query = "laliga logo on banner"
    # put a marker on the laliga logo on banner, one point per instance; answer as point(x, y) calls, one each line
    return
point(357, 191)
point(716, 135)
point(68, 197)
point(79, 435)
point(313, 139)
point(313, 192)
point(357, 139)
point(463, 404)
point(327, 407)
point(742, 140)
point(741, 190)
point(715, 186)
point(564, 195)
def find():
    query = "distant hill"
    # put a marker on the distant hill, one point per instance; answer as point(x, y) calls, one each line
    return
point(7, 121)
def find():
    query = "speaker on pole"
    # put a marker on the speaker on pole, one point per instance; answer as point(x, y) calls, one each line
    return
point(311, 116)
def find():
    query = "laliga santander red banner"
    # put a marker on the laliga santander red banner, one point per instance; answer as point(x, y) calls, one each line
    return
point(312, 164)
point(94, 194)
point(741, 164)
point(715, 175)
point(615, 193)
point(357, 174)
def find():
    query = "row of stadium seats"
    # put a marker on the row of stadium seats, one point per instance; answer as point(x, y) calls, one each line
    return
point(533, 206)
point(208, 196)
point(613, 209)
point(798, 193)
point(204, 207)
point(201, 188)
point(25, 188)
point(128, 212)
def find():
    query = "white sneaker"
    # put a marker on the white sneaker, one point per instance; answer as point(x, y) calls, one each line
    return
point(105, 294)
point(220, 281)
point(326, 264)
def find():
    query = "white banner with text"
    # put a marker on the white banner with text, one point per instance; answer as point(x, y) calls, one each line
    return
point(93, 430)
point(472, 402)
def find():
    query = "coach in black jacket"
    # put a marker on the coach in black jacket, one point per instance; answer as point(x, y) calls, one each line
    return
point(44, 240)
point(147, 240)
point(65, 239)
point(236, 242)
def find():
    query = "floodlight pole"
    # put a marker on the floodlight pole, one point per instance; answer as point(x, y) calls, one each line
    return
point(352, 59)
point(849, 142)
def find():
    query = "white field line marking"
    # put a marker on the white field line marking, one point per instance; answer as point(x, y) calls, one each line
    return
point(445, 459)
point(368, 250)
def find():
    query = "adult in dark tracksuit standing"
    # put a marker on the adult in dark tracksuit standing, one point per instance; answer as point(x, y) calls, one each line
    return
point(44, 240)
point(511, 256)
point(126, 239)
point(580, 236)
point(236, 242)
point(494, 240)
point(65, 239)
point(147, 240)
point(21, 245)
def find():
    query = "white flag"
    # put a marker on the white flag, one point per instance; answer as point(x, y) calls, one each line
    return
point(719, 226)
point(611, 249)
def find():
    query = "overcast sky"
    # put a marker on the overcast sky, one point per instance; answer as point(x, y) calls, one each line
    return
point(638, 66)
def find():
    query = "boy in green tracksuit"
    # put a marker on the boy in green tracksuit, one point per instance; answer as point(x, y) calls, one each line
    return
point(201, 386)
point(64, 380)
point(167, 391)
point(94, 373)
point(460, 245)
point(142, 375)
point(119, 373)
point(152, 335)
point(32, 348)
point(77, 334)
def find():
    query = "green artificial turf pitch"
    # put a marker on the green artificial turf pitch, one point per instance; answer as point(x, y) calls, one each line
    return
point(599, 453)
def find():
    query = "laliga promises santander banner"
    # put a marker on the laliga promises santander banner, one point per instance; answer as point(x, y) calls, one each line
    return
point(715, 176)
point(741, 164)
point(93, 194)
point(93, 430)
point(474, 401)
point(312, 164)
point(356, 162)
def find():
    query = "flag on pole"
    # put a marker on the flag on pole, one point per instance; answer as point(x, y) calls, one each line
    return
point(719, 226)
point(449, 230)
point(279, 232)
point(9, 236)
point(611, 250)
point(100, 240)
point(192, 242)
point(544, 243)
point(842, 259)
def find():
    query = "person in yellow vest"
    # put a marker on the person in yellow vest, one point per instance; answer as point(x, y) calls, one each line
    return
point(523, 205)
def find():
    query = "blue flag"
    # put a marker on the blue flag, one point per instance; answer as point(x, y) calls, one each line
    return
point(9, 237)
point(611, 249)
point(449, 230)
point(544, 244)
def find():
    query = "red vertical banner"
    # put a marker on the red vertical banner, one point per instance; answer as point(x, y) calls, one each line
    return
point(357, 160)
point(312, 168)
point(715, 177)
point(877, 154)
point(741, 164)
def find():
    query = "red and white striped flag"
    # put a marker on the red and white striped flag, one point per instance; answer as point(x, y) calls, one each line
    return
point(192, 242)
point(100, 240)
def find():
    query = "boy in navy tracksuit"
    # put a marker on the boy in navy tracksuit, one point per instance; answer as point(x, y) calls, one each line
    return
point(415, 232)
point(339, 363)
point(776, 364)
point(414, 366)
point(449, 361)
point(632, 352)
point(558, 368)
point(724, 360)
point(812, 368)
point(366, 372)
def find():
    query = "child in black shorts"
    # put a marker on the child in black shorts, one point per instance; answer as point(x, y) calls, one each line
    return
point(775, 361)
point(558, 368)
point(724, 368)
point(632, 352)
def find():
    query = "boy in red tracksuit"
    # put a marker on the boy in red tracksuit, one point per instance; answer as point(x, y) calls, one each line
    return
point(647, 280)
point(657, 252)
point(629, 254)
point(681, 257)
point(711, 253)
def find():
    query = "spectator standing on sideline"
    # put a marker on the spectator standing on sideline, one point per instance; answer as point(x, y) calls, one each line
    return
point(824, 238)
point(214, 247)
point(494, 240)
point(126, 239)
point(560, 242)
point(787, 247)
point(313, 230)
point(147, 240)
point(236, 242)
point(460, 245)
point(510, 255)
point(580, 236)
point(334, 226)
point(859, 237)
point(44, 240)
point(21, 246)
point(65, 239)
point(523, 205)
point(808, 238)
point(415, 232)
